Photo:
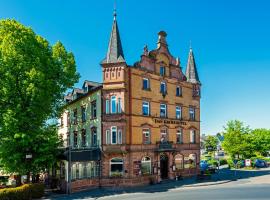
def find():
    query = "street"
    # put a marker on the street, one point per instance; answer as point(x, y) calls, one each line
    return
point(249, 185)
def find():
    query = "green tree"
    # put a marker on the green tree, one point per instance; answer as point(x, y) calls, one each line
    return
point(260, 139)
point(237, 140)
point(33, 78)
point(211, 143)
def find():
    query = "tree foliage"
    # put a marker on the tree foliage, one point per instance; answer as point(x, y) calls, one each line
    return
point(211, 143)
point(240, 140)
point(33, 78)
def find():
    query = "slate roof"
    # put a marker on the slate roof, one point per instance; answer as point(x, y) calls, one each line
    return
point(115, 51)
point(191, 70)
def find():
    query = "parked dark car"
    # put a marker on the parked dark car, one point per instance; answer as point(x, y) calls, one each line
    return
point(260, 163)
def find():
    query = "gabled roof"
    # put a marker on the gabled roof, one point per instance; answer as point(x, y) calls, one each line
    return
point(115, 52)
point(91, 84)
point(191, 70)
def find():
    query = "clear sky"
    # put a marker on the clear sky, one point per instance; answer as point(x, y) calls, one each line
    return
point(230, 39)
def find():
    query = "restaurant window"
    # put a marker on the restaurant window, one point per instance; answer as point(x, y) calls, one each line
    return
point(146, 84)
point(192, 136)
point(179, 136)
point(116, 167)
point(163, 110)
point(75, 139)
point(83, 111)
point(192, 113)
point(146, 136)
point(146, 167)
point(163, 89)
point(94, 136)
point(162, 71)
point(114, 135)
point(93, 109)
point(113, 104)
point(178, 91)
point(107, 106)
point(75, 117)
point(178, 112)
point(179, 162)
point(83, 137)
point(190, 161)
point(145, 108)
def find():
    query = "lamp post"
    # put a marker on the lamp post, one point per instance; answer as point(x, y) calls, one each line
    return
point(28, 158)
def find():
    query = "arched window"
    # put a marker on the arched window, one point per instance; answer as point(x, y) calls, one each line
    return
point(146, 168)
point(113, 104)
point(178, 160)
point(116, 166)
point(190, 161)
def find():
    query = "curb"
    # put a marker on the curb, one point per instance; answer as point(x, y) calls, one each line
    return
point(208, 184)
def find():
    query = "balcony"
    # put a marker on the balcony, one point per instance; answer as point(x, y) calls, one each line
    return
point(165, 146)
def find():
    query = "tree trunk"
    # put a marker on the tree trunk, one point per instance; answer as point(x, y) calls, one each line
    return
point(18, 179)
point(28, 177)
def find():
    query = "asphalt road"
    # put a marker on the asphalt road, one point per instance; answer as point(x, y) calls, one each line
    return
point(251, 185)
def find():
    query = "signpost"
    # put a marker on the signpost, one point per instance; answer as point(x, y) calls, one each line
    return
point(248, 163)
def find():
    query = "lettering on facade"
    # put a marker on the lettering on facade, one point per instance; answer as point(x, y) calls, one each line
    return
point(169, 121)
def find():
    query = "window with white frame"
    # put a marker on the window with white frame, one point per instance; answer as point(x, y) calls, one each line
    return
point(146, 136)
point(119, 105)
point(163, 110)
point(192, 136)
point(146, 167)
point(179, 136)
point(107, 106)
point(163, 88)
point(178, 112)
point(108, 137)
point(145, 108)
point(164, 135)
point(162, 71)
point(179, 162)
point(116, 167)
point(191, 113)
point(120, 135)
point(113, 135)
point(146, 84)
point(113, 105)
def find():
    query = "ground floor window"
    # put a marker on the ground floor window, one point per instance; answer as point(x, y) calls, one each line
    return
point(80, 170)
point(146, 167)
point(190, 161)
point(178, 160)
point(116, 166)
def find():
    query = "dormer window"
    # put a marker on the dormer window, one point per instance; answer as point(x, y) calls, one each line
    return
point(162, 71)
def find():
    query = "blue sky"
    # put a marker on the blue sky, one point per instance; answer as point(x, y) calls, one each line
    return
point(230, 39)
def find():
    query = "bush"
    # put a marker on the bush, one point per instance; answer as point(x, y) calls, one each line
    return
point(24, 192)
point(212, 162)
point(223, 162)
point(37, 190)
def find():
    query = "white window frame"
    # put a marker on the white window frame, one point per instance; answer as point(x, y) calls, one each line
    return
point(147, 160)
point(165, 87)
point(178, 109)
point(191, 113)
point(121, 162)
point(180, 91)
point(179, 132)
point(115, 128)
point(192, 136)
point(107, 106)
point(165, 106)
point(147, 105)
point(148, 85)
point(146, 131)
point(113, 99)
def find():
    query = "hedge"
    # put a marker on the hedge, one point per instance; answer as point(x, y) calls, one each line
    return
point(24, 192)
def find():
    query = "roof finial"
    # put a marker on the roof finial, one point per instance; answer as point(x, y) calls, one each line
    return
point(114, 10)
point(190, 45)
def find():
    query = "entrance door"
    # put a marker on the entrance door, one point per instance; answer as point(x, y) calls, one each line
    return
point(164, 166)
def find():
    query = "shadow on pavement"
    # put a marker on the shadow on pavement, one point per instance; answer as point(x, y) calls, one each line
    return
point(223, 176)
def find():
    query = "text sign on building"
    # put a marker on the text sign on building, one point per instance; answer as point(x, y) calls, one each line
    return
point(169, 121)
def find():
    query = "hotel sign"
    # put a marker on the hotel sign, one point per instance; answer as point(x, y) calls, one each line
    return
point(169, 121)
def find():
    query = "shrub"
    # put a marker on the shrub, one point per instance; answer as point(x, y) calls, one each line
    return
point(212, 162)
point(24, 192)
point(37, 190)
point(223, 162)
